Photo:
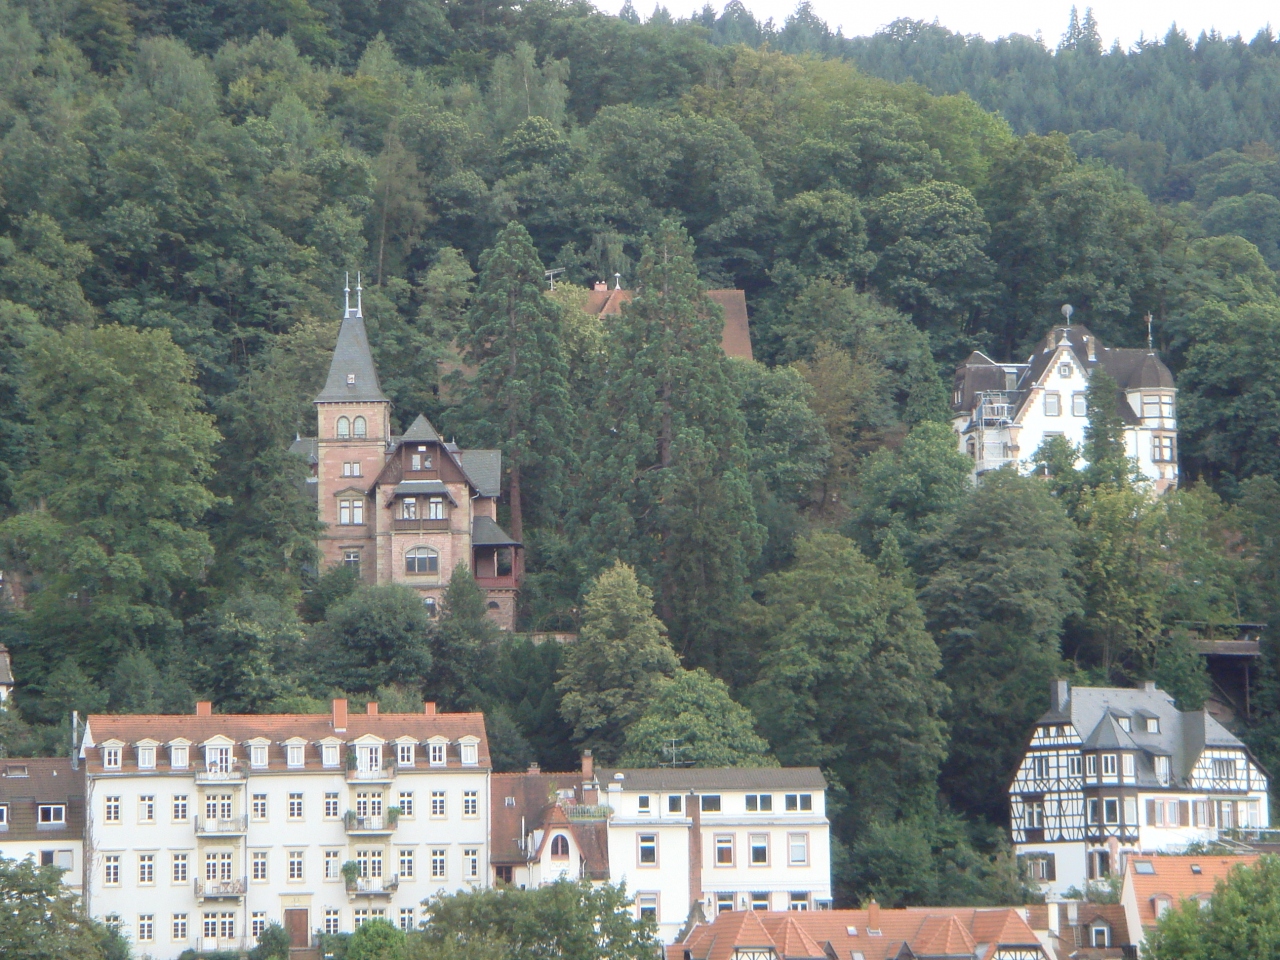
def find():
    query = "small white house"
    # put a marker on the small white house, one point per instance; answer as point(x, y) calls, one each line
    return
point(42, 815)
point(1003, 412)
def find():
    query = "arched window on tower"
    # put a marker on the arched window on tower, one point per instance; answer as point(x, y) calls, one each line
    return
point(344, 427)
point(361, 428)
point(559, 847)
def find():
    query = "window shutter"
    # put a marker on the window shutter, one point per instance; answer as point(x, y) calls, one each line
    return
point(1184, 813)
point(1050, 868)
point(1151, 812)
point(1212, 813)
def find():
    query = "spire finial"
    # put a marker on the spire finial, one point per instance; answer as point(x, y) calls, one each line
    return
point(1150, 347)
point(346, 290)
point(359, 297)
point(617, 281)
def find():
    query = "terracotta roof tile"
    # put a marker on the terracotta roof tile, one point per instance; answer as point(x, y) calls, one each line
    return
point(1174, 877)
point(736, 339)
point(531, 796)
point(943, 937)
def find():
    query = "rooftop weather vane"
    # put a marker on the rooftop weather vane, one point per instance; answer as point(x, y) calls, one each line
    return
point(1150, 347)
point(617, 281)
point(346, 290)
point(359, 298)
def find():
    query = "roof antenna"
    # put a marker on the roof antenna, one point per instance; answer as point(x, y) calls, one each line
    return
point(1150, 348)
point(358, 296)
point(346, 290)
point(551, 275)
point(1067, 311)
point(617, 281)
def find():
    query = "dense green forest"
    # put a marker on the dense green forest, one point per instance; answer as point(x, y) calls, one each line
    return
point(774, 561)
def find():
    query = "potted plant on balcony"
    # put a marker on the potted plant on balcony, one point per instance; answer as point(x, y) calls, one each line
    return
point(393, 814)
point(349, 819)
point(350, 873)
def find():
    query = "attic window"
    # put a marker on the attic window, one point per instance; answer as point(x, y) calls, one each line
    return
point(1144, 867)
point(351, 379)
point(1153, 725)
point(1126, 724)
point(510, 801)
point(1195, 868)
point(16, 770)
point(1064, 371)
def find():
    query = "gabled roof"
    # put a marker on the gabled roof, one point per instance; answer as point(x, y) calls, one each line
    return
point(1177, 878)
point(484, 468)
point(421, 431)
point(1107, 734)
point(353, 378)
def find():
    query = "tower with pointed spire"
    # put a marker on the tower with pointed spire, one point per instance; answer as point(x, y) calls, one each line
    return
point(403, 508)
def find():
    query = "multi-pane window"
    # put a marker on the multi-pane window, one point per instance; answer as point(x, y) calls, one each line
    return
point(370, 862)
point(146, 758)
point(227, 926)
point(760, 901)
point(178, 758)
point(146, 868)
point(724, 851)
point(469, 753)
point(332, 864)
point(329, 754)
point(724, 902)
point(295, 865)
point(217, 806)
point(111, 758)
point(146, 927)
point(51, 814)
point(437, 803)
point(259, 865)
point(1224, 769)
point(217, 758)
point(438, 863)
point(759, 844)
point(1108, 764)
point(405, 803)
point(330, 805)
point(351, 560)
point(1126, 764)
point(759, 802)
point(404, 754)
point(1091, 765)
point(437, 754)
point(294, 755)
point(1073, 766)
point(1163, 448)
point(406, 865)
point(421, 560)
point(295, 806)
point(179, 808)
point(359, 427)
point(1040, 768)
point(1035, 815)
point(647, 906)
point(406, 919)
point(343, 428)
point(802, 802)
point(351, 512)
point(435, 508)
point(331, 923)
point(799, 901)
point(211, 926)
point(351, 468)
point(361, 917)
point(217, 865)
point(259, 806)
point(368, 804)
point(111, 870)
point(147, 808)
point(180, 868)
point(257, 923)
point(179, 926)
point(1162, 770)
point(470, 803)
point(111, 810)
point(648, 849)
point(409, 508)
point(1157, 406)
point(471, 863)
point(258, 755)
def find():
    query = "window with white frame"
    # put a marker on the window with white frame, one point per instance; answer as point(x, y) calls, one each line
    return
point(798, 849)
point(436, 754)
point(295, 806)
point(405, 803)
point(332, 923)
point(146, 927)
point(1224, 769)
point(296, 865)
point(438, 803)
point(1126, 764)
point(1153, 724)
point(1091, 766)
point(1073, 766)
point(51, 815)
point(799, 901)
point(470, 803)
point(470, 754)
point(146, 869)
point(471, 863)
point(758, 844)
point(405, 754)
point(1110, 811)
point(799, 802)
point(1033, 815)
point(179, 926)
point(111, 758)
point(258, 806)
point(294, 756)
point(179, 864)
point(257, 923)
point(1108, 764)
point(724, 850)
point(217, 806)
point(178, 756)
point(329, 754)
point(111, 870)
point(217, 758)
point(647, 906)
point(258, 755)
point(369, 757)
point(179, 808)
point(332, 864)
point(406, 919)
point(1162, 770)
point(435, 508)
point(648, 849)
point(351, 512)
point(146, 758)
point(1040, 768)
point(111, 809)
point(438, 863)
point(147, 808)
point(258, 863)
point(759, 802)
point(406, 864)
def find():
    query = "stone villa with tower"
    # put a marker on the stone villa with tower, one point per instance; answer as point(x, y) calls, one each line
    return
point(408, 508)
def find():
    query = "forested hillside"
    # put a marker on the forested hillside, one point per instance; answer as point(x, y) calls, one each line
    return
point(774, 561)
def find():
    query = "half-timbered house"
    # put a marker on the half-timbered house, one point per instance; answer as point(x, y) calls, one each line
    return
point(1110, 771)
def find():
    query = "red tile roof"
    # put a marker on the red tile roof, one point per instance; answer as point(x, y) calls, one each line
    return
point(736, 339)
point(1173, 877)
point(928, 931)
point(535, 804)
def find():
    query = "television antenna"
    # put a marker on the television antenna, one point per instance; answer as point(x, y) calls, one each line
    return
point(673, 745)
point(551, 275)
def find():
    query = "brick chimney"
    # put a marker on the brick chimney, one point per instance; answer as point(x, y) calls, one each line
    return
point(371, 708)
point(589, 794)
point(873, 916)
point(429, 708)
point(339, 715)
point(204, 708)
point(601, 285)
point(1059, 694)
point(534, 768)
point(588, 765)
point(694, 807)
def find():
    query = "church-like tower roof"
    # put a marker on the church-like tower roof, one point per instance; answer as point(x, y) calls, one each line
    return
point(352, 374)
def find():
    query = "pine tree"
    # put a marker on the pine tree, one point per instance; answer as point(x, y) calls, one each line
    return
point(518, 398)
point(610, 674)
point(459, 642)
point(1104, 433)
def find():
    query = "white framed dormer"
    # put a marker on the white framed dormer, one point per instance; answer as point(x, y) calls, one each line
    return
point(179, 753)
point(219, 754)
point(469, 750)
point(259, 752)
point(145, 750)
point(369, 750)
point(406, 751)
point(331, 752)
point(295, 752)
point(112, 754)
point(438, 751)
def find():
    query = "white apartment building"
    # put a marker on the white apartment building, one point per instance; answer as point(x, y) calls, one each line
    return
point(721, 838)
point(201, 830)
point(42, 815)
point(1003, 412)
point(1110, 773)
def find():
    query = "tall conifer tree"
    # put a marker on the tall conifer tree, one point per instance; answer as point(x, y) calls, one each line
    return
point(519, 397)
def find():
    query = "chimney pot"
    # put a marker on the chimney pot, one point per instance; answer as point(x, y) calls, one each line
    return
point(429, 708)
point(371, 708)
point(534, 768)
point(339, 714)
point(204, 708)
point(588, 765)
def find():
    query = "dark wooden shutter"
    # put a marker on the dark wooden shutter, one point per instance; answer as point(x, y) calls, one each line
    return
point(1151, 813)
point(1050, 867)
point(1184, 813)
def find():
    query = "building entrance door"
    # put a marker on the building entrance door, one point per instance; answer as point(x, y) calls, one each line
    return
point(296, 922)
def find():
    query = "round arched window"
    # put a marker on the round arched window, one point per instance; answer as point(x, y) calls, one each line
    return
point(493, 605)
point(361, 428)
point(421, 560)
point(560, 847)
point(344, 427)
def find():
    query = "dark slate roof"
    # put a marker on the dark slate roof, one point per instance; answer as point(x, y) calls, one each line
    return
point(421, 431)
point(1107, 734)
point(486, 533)
point(715, 778)
point(352, 357)
point(483, 468)
point(27, 782)
point(306, 448)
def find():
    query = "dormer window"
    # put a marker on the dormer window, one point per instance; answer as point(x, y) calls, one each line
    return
point(178, 756)
point(436, 754)
point(258, 755)
point(146, 758)
point(217, 758)
point(1126, 724)
point(470, 754)
point(351, 379)
point(1162, 770)
point(294, 755)
point(111, 758)
point(329, 754)
point(1153, 724)
point(404, 754)
point(369, 757)
point(1157, 406)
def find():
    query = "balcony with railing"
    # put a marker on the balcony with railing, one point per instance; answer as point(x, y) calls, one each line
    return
point(362, 773)
point(384, 823)
point(216, 774)
point(221, 826)
point(220, 889)
point(374, 886)
point(412, 524)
